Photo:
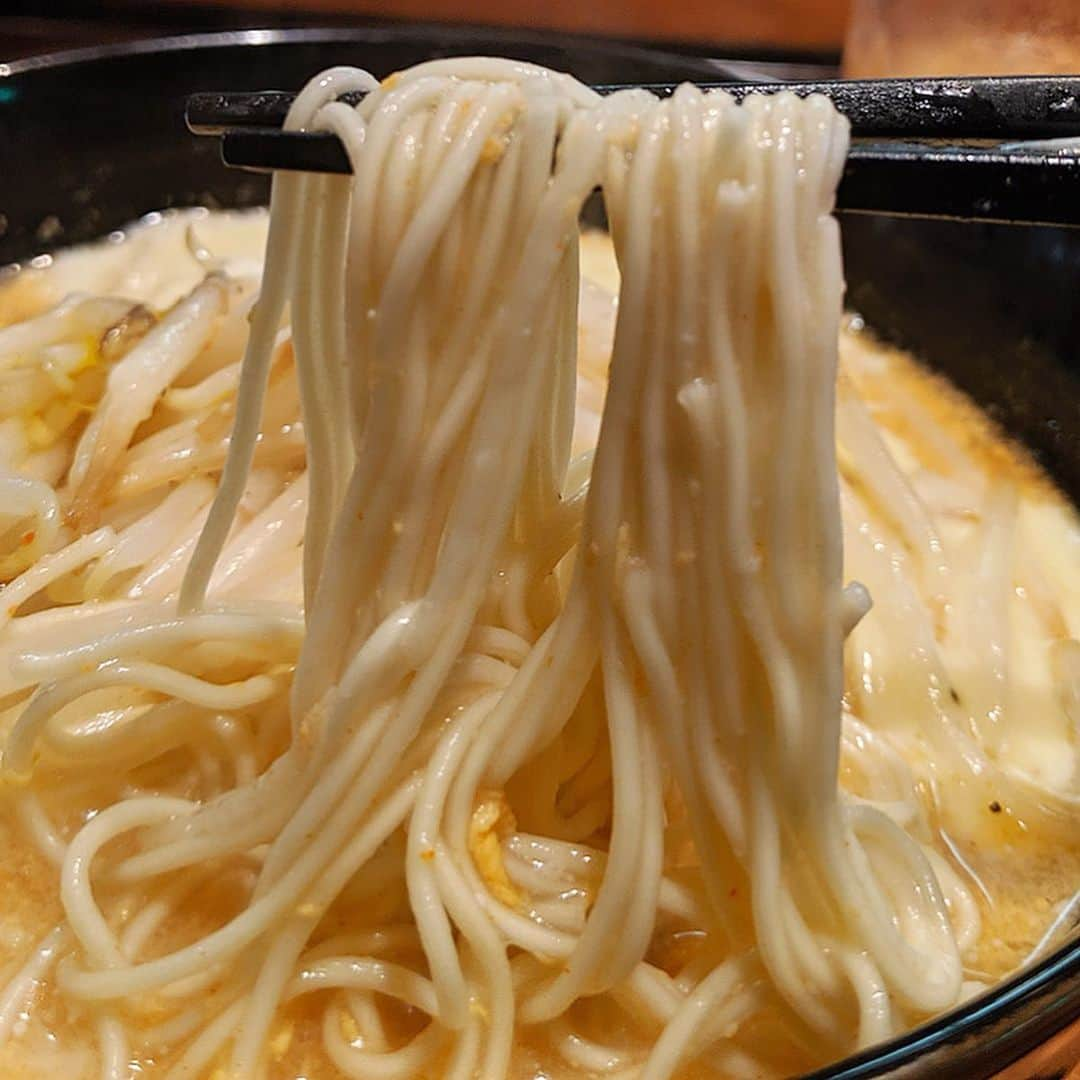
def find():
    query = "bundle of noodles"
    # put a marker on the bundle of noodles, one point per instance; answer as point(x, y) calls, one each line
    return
point(437, 462)
point(712, 551)
point(408, 732)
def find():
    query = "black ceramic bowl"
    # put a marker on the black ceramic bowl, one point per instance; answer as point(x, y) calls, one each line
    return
point(91, 140)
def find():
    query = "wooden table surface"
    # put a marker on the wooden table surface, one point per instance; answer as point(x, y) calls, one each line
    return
point(1059, 1058)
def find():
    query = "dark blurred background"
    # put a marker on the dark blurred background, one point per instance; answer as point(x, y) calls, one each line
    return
point(877, 37)
point(810, 29)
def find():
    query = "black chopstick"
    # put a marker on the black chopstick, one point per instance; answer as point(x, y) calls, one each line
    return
point(969, 183)
point(1005, 107)
point(955, 183)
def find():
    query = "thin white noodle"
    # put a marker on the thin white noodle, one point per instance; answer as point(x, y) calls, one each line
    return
point(17, 994)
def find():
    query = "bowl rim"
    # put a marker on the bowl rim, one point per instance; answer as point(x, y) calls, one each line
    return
point(972, 1018)
point(1032, 986)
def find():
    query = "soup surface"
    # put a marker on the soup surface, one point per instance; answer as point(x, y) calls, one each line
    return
point(971, 557)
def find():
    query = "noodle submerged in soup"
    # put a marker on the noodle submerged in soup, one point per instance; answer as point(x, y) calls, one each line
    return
point(473, 732)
